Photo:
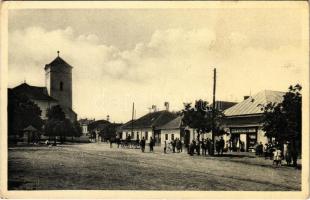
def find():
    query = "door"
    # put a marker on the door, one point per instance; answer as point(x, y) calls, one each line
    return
point(187, 136)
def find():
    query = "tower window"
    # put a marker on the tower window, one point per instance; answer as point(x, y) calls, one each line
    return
point(61, 86)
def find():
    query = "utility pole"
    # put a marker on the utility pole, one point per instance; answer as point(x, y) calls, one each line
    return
point(213, 110)
point(132, 117)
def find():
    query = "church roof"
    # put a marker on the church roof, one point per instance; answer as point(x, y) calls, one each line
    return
point(151, 120)
point(253, 105)
point(33, 92)
point(58, 61)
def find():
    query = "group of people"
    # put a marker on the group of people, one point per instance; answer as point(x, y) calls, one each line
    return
point(206, 146)
point(174, 145)
point(274, 151)
point(143, 143)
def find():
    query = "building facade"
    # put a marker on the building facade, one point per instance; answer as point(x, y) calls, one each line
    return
point(84, 125)
point(243, 121)
point(147, 126)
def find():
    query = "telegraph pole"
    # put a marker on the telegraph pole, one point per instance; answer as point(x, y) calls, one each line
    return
point(213, 110)
point(132, 117)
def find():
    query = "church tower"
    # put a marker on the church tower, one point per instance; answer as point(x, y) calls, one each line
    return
point(58, 81)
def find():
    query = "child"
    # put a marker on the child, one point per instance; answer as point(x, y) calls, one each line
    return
point(277, 157)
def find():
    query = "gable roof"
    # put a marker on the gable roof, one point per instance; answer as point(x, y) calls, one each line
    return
point(30, 128)
point(33, 92)
point(58, 61)
point(252, 105)
point(151, 120)
point(173, 124)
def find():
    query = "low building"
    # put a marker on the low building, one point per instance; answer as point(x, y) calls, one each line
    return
point(95, 128)
point(172, 130)
point(147, 126)
point(84, 125)
point(243, 121)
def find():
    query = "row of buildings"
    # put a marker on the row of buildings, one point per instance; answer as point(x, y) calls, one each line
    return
point(242, 123)
point(242, 120)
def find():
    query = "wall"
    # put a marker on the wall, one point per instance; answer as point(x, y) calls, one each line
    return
point(176, 133)
point(261, 136)
point(140, 132)
point(44, 105)
point(84, 129)
point(193, 135)
point(53, 77)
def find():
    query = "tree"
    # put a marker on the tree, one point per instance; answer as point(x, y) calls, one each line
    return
point(200, 119)
point(282, 121)
point(75, 129)
point(109, 131)
point(22, 112)
point(56, 123)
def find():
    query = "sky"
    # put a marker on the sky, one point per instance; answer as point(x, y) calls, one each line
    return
point(149, 56)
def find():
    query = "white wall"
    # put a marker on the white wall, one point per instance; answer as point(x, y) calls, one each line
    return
point(261, 136)
point(84, 129)
point(193, 135)
point(176, 134)
point(44, 105)
point(140, 132)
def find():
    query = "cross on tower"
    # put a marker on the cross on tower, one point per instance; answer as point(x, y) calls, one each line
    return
point(58, 53)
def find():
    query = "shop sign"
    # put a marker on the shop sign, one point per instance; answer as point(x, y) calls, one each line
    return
point(243, 130)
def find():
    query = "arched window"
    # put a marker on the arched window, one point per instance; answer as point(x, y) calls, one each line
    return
point(61, 86)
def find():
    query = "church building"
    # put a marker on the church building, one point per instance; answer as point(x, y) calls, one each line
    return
point(57, 90)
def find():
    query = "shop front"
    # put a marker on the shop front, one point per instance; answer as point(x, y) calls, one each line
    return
point(243, 138)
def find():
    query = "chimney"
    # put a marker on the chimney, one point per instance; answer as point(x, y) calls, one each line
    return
point(154, 108)
point(245, 97)
point(167, 105)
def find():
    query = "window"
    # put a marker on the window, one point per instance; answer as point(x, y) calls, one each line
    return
point(138, 136)
point(166, 136)
point(61, 86)
point(172, 136)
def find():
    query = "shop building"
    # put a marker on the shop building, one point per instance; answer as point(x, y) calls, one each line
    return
point(243, 121)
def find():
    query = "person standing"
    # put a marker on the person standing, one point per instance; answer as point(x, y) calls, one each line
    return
point(179, 146)
point(287, 154)
point(142, 143)
point(203, 147)
point(208, 144)
point(192, 148)
point(151, 144)
point(165, 147)
point(198, 147)
point(173, 142)
point(111, 142)
point(221, 145)
point(294, 153)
